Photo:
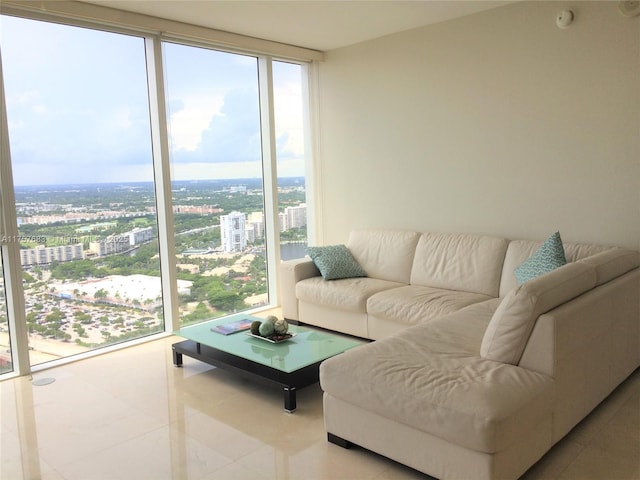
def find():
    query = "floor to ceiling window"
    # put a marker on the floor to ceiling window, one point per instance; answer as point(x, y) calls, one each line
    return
point(288, 97)
point(86, 109)
point(79, 134)
point(213, 109)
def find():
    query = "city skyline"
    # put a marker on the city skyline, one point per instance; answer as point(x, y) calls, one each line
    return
point(192, 181)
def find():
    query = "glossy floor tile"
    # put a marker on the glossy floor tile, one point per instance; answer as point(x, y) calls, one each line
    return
point(131, 414)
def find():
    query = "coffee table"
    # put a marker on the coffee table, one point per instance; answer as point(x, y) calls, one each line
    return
point(292, 364)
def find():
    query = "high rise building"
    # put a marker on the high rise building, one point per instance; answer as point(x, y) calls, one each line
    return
point(140, 235)
point(111, 245)
point(45, 255)
point(256, 220)
point(250, 232)
point(232, 232)
point(296, 216)
point(122, 242)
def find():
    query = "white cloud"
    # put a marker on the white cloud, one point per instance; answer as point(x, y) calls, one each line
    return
point(187, 124)
point(203, 171)
point(288, 117)
point(24, 98)
point(122, 117)
point(291, 167)
point(15, 125)
point(39, 109)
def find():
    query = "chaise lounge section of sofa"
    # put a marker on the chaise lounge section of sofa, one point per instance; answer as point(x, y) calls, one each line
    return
point(471, 375)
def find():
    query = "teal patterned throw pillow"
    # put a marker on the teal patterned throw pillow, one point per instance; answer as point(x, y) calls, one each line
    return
point(547, 258)
point(335, 261)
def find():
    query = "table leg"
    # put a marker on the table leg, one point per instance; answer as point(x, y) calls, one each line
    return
point(290, 399)
point(177, 358)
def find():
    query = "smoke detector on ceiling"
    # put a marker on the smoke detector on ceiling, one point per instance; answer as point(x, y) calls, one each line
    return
point(629, 9)
point(565, 18)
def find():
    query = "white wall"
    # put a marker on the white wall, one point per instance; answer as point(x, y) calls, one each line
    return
point(497, 123)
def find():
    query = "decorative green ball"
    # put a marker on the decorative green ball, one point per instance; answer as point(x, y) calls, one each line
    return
point(266, 329)
point(281, 326)
point(255, 327)
point(271, 319)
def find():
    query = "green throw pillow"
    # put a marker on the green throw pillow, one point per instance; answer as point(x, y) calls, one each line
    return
point(548, 257)
point(335, 261)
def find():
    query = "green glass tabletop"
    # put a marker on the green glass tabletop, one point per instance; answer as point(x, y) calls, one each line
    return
point(307, 347)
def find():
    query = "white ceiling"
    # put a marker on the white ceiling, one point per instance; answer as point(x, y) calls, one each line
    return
point(316, 24)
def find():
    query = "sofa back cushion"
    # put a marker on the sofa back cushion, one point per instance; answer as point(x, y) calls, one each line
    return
point(612, 263)
point(520, 250)
point(385, 254)
point(511, 324)
point(470, 263)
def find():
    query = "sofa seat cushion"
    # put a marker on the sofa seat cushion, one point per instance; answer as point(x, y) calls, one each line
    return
point(431, 378)
point(414, 304)
point(349, 294)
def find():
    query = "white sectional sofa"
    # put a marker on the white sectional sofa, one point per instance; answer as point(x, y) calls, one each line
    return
point(471, 375)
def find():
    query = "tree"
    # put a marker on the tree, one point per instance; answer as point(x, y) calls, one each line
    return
point(28, 278)
point(83, 317)
point(100, 294)
point(226, 300)
point(75, 270)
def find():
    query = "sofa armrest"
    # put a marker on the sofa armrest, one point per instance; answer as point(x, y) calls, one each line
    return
point(291, 272)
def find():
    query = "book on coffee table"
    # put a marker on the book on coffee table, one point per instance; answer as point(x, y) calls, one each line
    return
point(233, 327)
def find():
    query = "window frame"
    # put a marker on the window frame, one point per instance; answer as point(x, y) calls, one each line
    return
point(86, 16)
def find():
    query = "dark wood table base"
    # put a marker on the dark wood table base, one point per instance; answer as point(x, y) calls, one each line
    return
point(289, 382)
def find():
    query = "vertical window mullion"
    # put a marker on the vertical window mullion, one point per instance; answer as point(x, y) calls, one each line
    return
point(162, 175)
point(270, 175)
point(309, 119)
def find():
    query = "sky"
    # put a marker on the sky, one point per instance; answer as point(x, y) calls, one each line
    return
point(78, 111)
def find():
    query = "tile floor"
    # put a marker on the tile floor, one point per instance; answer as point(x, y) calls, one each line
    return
point(131, 414)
